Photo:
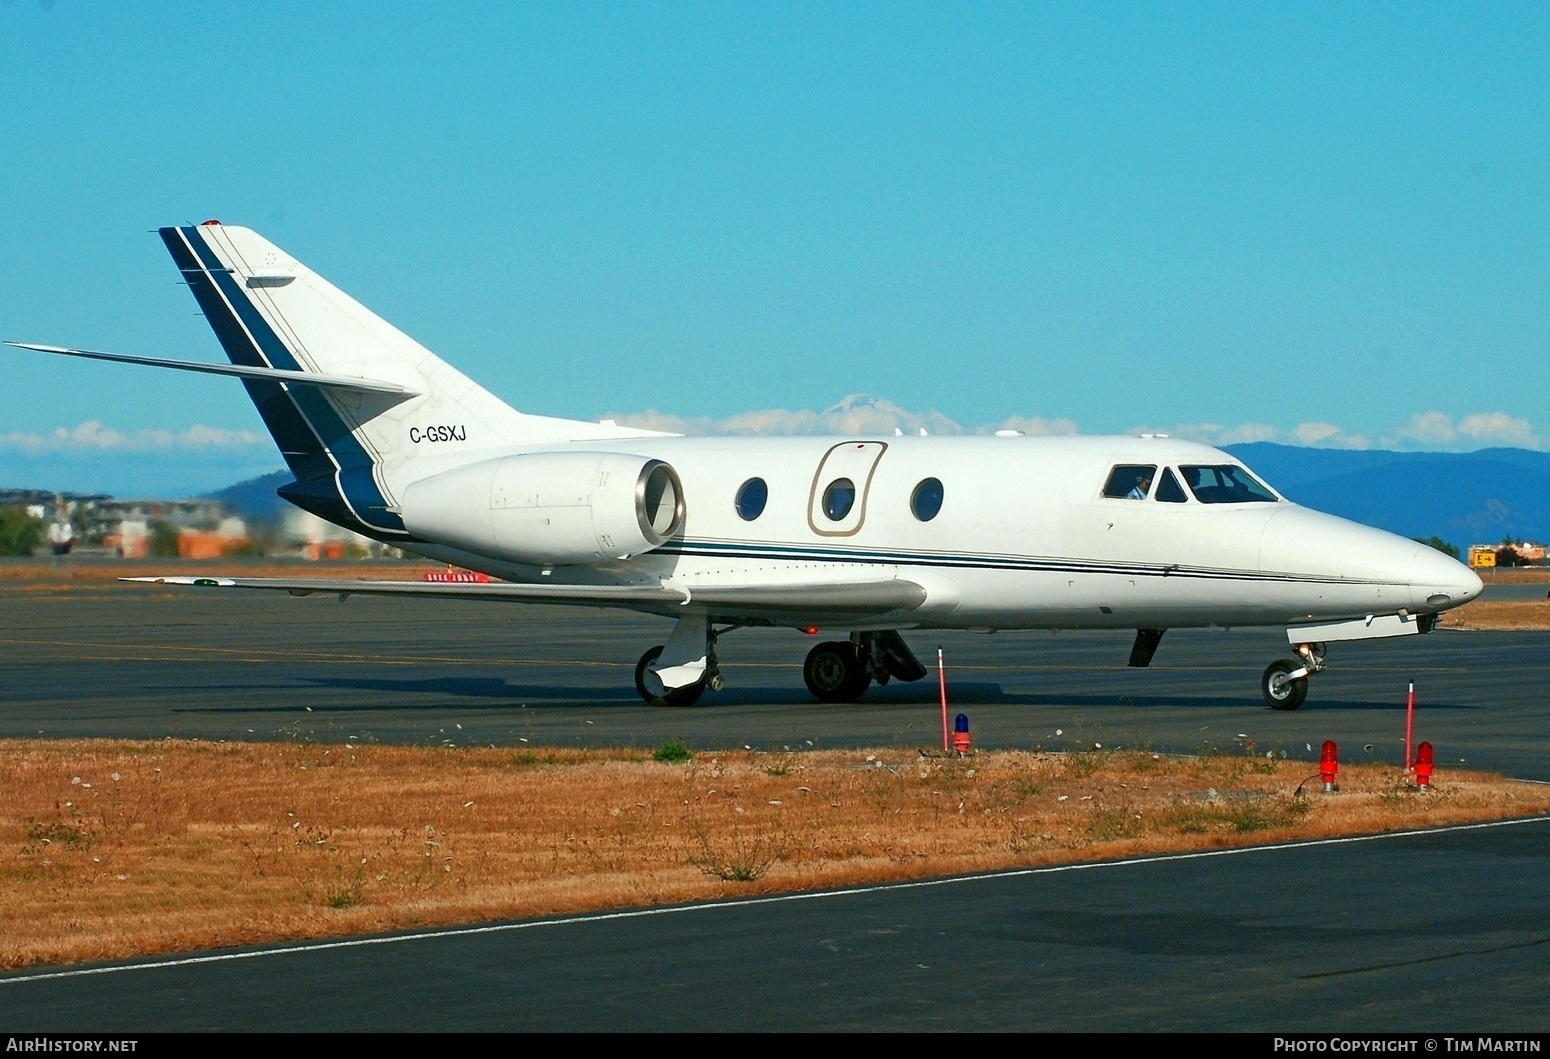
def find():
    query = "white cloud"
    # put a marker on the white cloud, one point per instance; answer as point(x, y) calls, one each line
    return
point(865, 414)
point(1436, 430)
point(1246, 432)
point(856, 414)
point(1216, 434)
point(1499, 428)
point(1309, 435)
point(1032, 425)
point(93, 436)
point(1428, 428)
point(1327, 436)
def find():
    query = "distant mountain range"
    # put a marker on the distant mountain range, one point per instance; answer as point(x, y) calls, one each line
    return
point(255, 498)
point(1463, 497)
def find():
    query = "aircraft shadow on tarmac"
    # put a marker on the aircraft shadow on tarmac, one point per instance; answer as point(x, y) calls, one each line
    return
point(501, 694)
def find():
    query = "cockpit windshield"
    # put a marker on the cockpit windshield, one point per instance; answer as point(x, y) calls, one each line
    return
point(1225, 484)
point(1130, 482)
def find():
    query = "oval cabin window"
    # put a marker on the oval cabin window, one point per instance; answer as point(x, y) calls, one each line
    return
point(839, 498)
point(926, 500)
point(752, 495)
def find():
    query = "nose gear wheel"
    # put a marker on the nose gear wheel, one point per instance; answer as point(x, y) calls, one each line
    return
point(655, 692)
point(1282, 691)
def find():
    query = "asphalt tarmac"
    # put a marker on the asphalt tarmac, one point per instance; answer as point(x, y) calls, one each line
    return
point(105, 659)
point(1439, 932)
point(1520, 591)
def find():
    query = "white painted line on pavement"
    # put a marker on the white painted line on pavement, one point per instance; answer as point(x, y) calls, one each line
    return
point(641, 913)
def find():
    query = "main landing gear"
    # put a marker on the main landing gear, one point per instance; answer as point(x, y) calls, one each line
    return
point(841, 671)
point(678, 672)
point(1285, 682)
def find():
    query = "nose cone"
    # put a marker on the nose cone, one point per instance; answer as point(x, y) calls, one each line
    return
point(1438, 582)
point(1396, 571)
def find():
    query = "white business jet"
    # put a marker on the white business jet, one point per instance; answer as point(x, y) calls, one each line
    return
point(861, 537)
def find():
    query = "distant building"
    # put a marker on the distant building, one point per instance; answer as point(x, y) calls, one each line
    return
point(204, 528)
point(1484, 556)
point(324, 540)
point(230, 536)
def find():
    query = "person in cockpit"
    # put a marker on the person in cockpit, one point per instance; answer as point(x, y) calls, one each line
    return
point(1141, 488)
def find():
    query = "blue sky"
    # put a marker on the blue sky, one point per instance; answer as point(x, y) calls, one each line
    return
point(1317, 223)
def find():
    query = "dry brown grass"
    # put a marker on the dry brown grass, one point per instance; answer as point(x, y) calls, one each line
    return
point(110, 849)
point(1489, 614)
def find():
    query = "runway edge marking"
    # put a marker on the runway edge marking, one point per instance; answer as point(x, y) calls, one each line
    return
point(708, 906)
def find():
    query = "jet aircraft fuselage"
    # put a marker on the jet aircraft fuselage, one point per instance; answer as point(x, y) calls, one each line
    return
point(866, 537)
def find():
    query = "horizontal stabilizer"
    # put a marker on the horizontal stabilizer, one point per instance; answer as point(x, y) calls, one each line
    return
point(812, 601)
point(295, 378)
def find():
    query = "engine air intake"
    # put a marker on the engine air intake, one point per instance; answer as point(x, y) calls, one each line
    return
point(550, 508)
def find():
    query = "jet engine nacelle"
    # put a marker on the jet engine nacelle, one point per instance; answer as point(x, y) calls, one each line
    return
point(549, 507)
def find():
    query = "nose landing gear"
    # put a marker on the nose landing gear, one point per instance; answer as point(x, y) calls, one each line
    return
point(1285, 682)
point(691, 667)
point(656, 693)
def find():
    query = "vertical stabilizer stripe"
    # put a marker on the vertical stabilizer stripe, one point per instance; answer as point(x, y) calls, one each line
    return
point(248, 338)
point(298, 443)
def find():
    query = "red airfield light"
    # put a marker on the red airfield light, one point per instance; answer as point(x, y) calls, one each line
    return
point(1329, 765)
point(1423, 766)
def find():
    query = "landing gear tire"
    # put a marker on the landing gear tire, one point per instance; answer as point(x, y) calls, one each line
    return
point(654, 691)
point(834, 674)
point(1281, 693)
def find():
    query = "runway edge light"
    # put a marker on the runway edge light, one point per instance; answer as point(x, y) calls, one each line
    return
point(1329, 765)
point(1423, 766)
point(961, 734)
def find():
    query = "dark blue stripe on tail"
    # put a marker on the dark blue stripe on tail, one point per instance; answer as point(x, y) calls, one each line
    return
point(299, 445)
point(328, 460)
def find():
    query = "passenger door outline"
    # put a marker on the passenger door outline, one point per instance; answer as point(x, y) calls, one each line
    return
point(856, 460)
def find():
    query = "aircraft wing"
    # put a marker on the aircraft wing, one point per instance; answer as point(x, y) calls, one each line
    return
point(795, 602)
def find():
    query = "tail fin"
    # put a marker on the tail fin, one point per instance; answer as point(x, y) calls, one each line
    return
point(351, 453)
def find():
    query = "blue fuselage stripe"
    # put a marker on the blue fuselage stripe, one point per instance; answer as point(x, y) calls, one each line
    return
point(750, 550)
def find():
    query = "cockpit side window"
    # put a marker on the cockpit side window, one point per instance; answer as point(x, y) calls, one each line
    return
point(1225, 484)
point(1130, 482)
point(1169, 491)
